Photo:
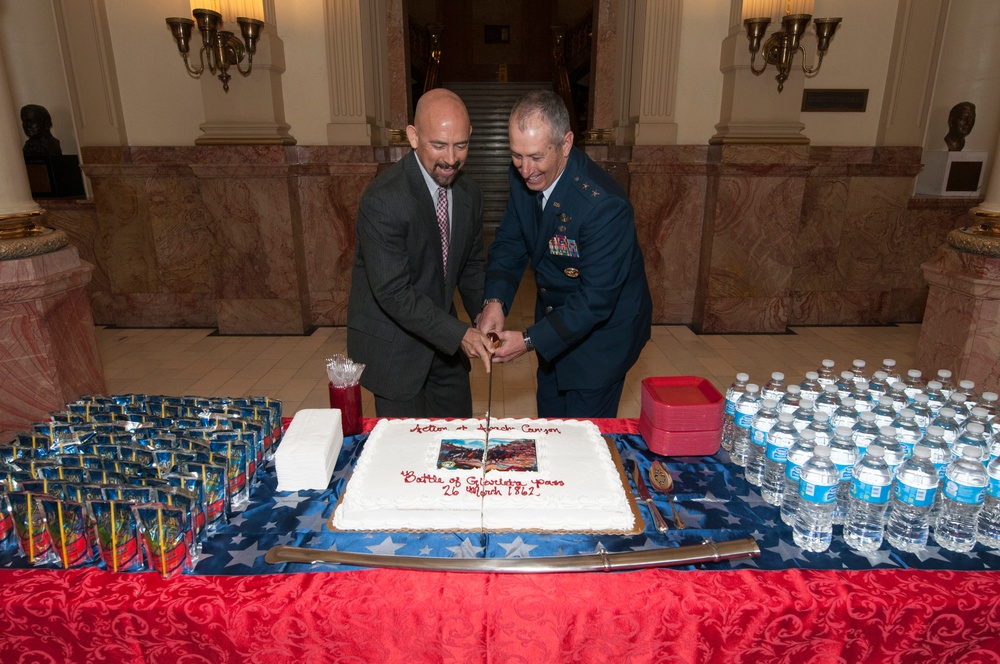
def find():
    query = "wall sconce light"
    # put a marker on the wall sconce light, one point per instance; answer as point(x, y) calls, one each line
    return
point(220, 48)
point(782, 45)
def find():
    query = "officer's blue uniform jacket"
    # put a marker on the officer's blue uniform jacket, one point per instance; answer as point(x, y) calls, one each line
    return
point(593, 310)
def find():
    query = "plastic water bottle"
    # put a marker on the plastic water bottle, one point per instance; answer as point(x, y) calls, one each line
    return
point(940, 456)
point(895, 454)
point(791, 401)
point(845, 415)
point(774, 388)
point(762, 422)
point(801, 451)
point(865, 432)
point(733, 395)
point(889, 368)
point(813, 529)
point(844, 454)
point(912, 497)
point(944, 379)
point(821, 426)
point(967, 388)
point(862, 403)
point(897, 392)
point(858, 369)
point(907, 431)
point(965, 482)
point(877, 386)
point(936, 398)
point(803, 415)
point(958, 402)
point(995, 447)
point(828, 401)
point(871, 487)
point(845, 384)
point(980, 416)
point(883, 411)
point(922, 415)
point(825, 374)
point(913, 383)
point(988, 401)
point(811, 387)
point(949, 425)
point(971, 436)
point(746, 408)
point(780, 439)
point(988, 527)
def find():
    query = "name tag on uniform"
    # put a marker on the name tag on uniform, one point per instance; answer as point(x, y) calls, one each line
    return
point(560, 245)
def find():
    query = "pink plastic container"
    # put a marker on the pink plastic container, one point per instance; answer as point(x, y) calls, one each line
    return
point(679, 443)
point(682, 403)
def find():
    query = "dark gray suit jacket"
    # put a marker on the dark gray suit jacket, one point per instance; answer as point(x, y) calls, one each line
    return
point(401, 311)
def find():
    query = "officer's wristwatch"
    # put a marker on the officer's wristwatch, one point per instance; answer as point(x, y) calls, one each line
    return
point(528, 346)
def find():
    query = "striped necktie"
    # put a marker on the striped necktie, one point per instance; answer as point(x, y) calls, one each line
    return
point(442, 215)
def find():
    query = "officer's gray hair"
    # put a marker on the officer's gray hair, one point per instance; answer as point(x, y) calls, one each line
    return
point(545, 105)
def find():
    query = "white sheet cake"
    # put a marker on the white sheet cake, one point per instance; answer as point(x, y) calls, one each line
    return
point(541, 475)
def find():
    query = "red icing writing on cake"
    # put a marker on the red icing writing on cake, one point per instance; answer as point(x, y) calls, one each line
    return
point(430, 428)
point(527, 428)
point(410, 477)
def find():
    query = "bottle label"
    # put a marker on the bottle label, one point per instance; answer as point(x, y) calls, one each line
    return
point(846, 472)
point(940, 468)
point(793, 471)
point(758, 436)
point(915, 496)
point(907, 446)
point(963, 493)
point(820, 494)
point(743, 420)
point(730, 407)
point(877, 494)
point(994, 488)
point(776, 452)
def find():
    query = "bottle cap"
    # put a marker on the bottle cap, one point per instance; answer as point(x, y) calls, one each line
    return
point(921, 397)
point(975, 428)
point(823, 451)
point(807, 434)
point(844, 432)
point(947, 411)
point(742, 377)
point(875, 450)
point(914, 373)
point(922, 452)
point(848, 402)
point(934, 385)
point(958, 397)
point(881, 375)
point(829, 388)
point(777, 376)
point(907, 414)
point(888, 432)
point(785, 417)
point(935, 430)
point(867, 416)
point(885, 400)
point(972, 452)
point(769, 403)
point(807, 404)
point(847, 375)
point(753, 387)
point(828, 363)
point(989, 396)
point(811, 375)
point(859, 364)
point(794, 389)
point(966, 384)
point(888, 362)
point(821, 416)
point(944, 373)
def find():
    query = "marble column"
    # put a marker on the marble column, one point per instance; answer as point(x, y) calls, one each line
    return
point(48, 350)
point(961, 327)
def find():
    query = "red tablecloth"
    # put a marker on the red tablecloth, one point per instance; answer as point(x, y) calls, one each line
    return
point(396, 616)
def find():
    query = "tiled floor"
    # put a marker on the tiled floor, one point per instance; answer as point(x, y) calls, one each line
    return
point(293, 368)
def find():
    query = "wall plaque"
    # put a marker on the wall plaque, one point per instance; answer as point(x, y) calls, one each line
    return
point(834, 101)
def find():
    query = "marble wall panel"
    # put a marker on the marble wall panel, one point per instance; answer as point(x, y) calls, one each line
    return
point(124, 242)
point(669, 209)
point(817, 245)
point(261, 316)
point(818, 307)
point(757, 219)
point(328, 206)
point(761, 315)
point(163, 309)
point(179, 221)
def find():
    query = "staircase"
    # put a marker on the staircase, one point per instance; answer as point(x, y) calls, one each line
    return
point(489, 150)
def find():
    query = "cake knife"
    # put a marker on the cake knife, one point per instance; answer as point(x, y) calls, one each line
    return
point(495, 338)
point(647, 497)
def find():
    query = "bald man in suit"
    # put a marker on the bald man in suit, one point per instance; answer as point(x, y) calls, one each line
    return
point(419, 238)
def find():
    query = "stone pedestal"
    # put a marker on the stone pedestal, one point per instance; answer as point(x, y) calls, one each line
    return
point(48, 349)
point(961, 328)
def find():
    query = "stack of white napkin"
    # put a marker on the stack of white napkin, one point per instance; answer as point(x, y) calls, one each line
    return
point(309, 449)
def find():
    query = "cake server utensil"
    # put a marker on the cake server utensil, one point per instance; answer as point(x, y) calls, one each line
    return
point(664, 481)
point(495, 338)
point(640, 485)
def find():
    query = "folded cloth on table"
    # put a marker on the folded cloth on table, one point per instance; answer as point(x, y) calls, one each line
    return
point(308, 452)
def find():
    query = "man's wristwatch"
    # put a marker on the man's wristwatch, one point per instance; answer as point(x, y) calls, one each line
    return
point(528, 346)
point(492, 299)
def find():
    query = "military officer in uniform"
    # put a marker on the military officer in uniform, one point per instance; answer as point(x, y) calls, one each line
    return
point(573, 224)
